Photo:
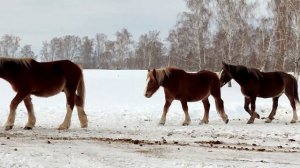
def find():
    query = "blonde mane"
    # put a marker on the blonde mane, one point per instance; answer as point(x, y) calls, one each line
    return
point(161, 73)
point(21, 61)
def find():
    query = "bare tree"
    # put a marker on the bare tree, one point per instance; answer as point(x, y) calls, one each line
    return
point(71, 47)
point(26, 52)
point(107, 55)
point(87, 52)
point(293, 52)
point(45, 54)
point(100, 41)
point(150, 50)
point(199, 18)
point(9, 45)
point(232, 18)
point(123, 46)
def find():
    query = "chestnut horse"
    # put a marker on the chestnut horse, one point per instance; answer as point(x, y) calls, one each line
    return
point(255, 83)
point(29, 77)
point(186, 87)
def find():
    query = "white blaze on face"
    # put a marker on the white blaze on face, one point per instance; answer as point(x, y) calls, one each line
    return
point(147, 82)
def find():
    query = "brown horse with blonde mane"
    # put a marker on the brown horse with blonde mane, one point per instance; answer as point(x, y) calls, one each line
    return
point(29, 77)
point(186, 87)
point(255, 83)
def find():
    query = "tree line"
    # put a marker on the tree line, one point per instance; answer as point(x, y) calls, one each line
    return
point(209, 32)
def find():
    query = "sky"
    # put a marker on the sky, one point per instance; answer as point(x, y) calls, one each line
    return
point(35, 21)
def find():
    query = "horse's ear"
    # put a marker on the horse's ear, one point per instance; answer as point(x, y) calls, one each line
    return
point(224, 63)
point(148, 70)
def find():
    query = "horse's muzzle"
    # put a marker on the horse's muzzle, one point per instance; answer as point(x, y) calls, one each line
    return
point(148, 95)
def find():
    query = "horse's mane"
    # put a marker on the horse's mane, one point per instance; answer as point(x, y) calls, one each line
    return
point(19, 61)
point(162, 73)
point(240, 68)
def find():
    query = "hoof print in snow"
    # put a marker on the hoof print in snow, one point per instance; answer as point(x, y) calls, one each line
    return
point(261, 150)
point(136, 142)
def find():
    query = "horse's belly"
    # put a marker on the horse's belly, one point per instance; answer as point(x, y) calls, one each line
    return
point(267, 93)
point(47, 92)
point(193, 97)
point(275, 94)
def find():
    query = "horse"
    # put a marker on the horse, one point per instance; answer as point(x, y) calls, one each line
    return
point(29, 77)
point(255, 83)
point(186, 87)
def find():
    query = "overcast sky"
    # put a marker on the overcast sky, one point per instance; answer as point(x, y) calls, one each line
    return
point(38, 20)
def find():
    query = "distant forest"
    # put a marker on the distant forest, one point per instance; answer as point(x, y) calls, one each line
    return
point(209, 32)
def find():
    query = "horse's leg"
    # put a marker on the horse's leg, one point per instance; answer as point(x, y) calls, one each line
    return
point(206, 106)
point(12, 113)
point(79, 101)
point(81, 113)
point(70, 95)
point(31, 117)
point(165, 111)
point(82, 116)
point(246, 107)
point(293, 104)
point(273, 112)
point(185, 108)
point(216, 93)
point(253, 113)
point(220, 108)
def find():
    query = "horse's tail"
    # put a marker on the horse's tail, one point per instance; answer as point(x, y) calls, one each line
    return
point(80, 97)
point(296, 96)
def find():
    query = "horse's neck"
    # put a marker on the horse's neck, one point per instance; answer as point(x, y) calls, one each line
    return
point(239, 78)
point(8, 70)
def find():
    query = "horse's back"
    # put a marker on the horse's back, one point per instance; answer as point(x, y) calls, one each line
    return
point(61, 68)
point(192, 86)
point(273, 84)
point(49, 78)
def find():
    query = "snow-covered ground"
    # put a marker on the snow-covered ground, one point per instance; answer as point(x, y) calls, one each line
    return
point(123, 130)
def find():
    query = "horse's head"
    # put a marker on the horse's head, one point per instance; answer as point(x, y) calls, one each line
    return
point(152, 83)
point(225, 75)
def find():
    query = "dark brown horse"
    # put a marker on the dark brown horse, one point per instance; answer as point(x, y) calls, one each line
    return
point(262, 84)
point(186, 87)
point(29, 77)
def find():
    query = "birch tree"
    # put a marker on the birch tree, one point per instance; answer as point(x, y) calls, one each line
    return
point(9, 44)
point(26, 52)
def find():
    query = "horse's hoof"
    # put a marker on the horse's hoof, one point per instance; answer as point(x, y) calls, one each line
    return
point(293, 121)
point(257, 116)
point(62, 127)
point(226, 121)
point(250, 122)
point(8, 128)
point(161, 124)
point(27, 128)
point(203, 122)
point(84, 126)
point(186, 123)
point(268, 120)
